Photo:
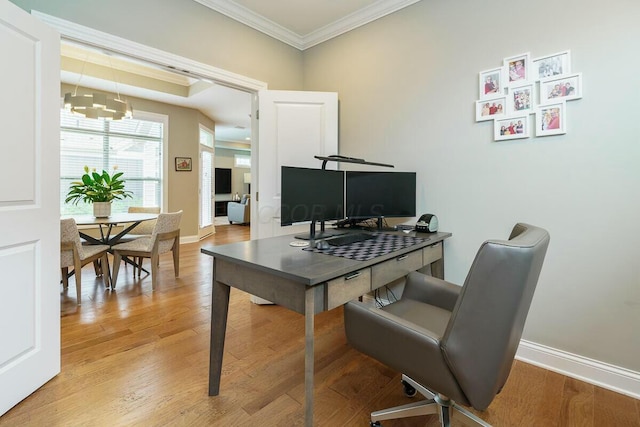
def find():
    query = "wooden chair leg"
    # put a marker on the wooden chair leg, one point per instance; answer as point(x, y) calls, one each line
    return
point(77, 272)
point(176, 260)
point(104, 264)
point(117, 258)
point(155, 261)
point(65, 278)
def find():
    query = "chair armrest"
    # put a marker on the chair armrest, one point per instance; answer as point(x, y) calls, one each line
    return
point(431, 290)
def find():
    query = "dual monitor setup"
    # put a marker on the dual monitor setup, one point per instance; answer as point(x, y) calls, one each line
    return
point(319, 195)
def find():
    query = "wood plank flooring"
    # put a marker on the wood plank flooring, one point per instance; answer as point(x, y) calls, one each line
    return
point(133, 357)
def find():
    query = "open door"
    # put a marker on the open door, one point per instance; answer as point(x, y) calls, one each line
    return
point(293, 128)
point(29, 205)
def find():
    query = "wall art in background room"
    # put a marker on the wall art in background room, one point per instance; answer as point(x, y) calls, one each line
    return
point(183, 164)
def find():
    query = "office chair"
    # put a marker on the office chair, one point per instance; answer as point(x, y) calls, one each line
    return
point(455, 345)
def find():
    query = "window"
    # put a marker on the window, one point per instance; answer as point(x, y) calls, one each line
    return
point(241, 161)
point(133, 146)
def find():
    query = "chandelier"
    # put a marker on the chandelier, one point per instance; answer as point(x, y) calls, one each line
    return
point(98, 105)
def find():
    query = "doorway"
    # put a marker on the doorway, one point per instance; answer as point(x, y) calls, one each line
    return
point(205, 74)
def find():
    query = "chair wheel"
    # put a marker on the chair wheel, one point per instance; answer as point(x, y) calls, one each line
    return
point(375, 424)
point(409, 390)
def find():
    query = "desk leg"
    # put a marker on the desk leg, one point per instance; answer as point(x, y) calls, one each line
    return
point(219, 310)
point(437, 268)
point(309, 307)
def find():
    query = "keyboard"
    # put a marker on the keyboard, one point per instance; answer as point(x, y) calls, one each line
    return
point(347, 239)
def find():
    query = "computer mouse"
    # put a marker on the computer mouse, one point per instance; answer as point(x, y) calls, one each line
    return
point(322, 245)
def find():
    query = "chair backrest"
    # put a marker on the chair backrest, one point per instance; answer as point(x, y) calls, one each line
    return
point(486, 324)
point(165, 223)
point(145, 227)
point(69, 234)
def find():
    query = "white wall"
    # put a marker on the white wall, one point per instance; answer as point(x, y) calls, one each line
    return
point(407, 84)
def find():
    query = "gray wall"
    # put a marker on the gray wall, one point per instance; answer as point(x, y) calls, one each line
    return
point(407, 84)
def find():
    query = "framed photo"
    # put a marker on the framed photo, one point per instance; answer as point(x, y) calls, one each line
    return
point(491, 83)
point(521, 98)
point(513, 127)
point(183, 164)
point(566, 87)
point(552, 65)
point(518, 68)
point(489, 109)
point(551, 119)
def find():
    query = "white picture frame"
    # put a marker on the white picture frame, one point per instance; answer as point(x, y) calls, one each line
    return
point(521, 98)
point(517, 68)
point(512, 127)
point(552, 65)
point(485, 108)
point(551, 119)
point(491, 83)
point(566, 87)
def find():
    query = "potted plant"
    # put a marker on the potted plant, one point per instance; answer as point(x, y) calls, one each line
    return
point(99, 189)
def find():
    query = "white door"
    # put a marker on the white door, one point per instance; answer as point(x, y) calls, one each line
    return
point(29, 205)
point(293, 128)
point(206, 226)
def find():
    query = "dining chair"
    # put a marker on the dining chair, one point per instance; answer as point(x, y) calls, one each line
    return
point(74, 254)
point(164, 238)
point(145, 228)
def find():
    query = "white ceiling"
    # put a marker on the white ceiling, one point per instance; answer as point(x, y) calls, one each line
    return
point(299, 23)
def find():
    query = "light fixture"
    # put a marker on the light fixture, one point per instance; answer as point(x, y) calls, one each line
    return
point(98, 105)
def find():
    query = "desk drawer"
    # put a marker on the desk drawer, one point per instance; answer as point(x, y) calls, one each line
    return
point(432, 253)
point(348, 287)
point(393, 269)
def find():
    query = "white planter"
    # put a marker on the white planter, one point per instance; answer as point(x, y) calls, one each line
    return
point(101, 209)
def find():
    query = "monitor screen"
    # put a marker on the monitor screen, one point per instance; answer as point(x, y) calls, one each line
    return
point(311, 195)
point(380, 194)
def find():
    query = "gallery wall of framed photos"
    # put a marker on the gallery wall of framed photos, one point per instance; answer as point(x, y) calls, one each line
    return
point(523, 87)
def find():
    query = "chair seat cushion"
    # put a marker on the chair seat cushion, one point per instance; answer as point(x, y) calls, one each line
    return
point(90, 250)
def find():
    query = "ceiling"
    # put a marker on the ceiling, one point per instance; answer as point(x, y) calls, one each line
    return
point(299, 23)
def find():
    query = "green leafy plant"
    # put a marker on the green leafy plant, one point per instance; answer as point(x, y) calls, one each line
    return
point(95, 187)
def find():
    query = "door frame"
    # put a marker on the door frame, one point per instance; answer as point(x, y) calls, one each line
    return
point(71, 31)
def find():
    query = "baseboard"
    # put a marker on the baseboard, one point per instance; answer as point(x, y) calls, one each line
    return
point(588, 370)
point(188, 239)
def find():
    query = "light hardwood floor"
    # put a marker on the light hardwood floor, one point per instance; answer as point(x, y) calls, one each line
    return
point(133, 357)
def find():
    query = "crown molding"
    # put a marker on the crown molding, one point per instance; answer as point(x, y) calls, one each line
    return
point(254, 20)
point(357, 19)
point(258, 22)
point(170, 62)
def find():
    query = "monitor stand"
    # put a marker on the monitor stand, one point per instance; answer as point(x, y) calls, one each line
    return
point(321, 234)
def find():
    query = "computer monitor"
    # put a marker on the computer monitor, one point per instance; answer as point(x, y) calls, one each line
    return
point(380, 194)
point(311, 195)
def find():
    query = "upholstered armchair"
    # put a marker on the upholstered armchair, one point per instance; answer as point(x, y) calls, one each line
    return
point(239, 212)
point(455, 345)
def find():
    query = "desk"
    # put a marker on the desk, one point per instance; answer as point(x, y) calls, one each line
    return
point(305, 282)
point(106, 225)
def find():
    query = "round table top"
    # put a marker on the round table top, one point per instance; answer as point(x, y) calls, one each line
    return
point(117, 218)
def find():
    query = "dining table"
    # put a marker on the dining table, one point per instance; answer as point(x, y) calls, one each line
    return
point(106, 225)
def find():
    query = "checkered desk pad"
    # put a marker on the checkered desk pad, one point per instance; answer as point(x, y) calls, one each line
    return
point(381, 244)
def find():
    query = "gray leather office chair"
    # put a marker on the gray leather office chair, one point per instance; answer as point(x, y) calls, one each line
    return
point(455, 345)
